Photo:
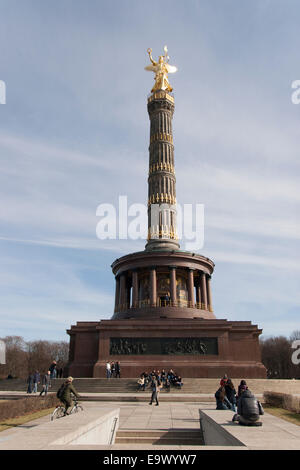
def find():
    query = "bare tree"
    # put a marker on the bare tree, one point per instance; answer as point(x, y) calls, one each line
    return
point(16, 357)
point(276, 354)
point(295, 335)
point(43, 353)
point(39, 355)
point(23, 357)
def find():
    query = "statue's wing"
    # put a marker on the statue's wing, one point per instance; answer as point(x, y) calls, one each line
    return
point(151, 68)
point(171, 68)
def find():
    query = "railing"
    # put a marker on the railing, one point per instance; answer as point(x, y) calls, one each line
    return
point(113, 432)
point(164, 303)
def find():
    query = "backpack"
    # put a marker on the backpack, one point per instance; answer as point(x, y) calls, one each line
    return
point(60, 391)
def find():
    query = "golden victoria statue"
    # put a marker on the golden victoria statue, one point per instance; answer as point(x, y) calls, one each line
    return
point(161, 70)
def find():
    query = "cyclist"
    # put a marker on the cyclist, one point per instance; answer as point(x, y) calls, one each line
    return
point(66, 397)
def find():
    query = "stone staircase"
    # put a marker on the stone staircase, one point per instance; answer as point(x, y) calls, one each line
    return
point(127, 387)
point(186, 437)
point(87, 385)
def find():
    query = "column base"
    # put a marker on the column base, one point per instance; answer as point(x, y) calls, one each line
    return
point(162, 245)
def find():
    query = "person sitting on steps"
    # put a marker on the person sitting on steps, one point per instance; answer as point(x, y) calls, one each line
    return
point(142, 383)
point(221, 400)
point(231, 393)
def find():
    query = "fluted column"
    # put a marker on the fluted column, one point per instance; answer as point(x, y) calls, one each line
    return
point(204, 291)
point(117, 294)
point(191, 288)
point(128, 287)
point(135, 289)
point(173, 292)
point(153, 294)
point(161, 181)
point(209, 296)
point(198, 293)
point(122, 297)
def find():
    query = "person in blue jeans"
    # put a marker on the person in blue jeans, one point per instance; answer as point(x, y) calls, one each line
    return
point(36, 381)
point(221, 400)
point(52, 370)
point(46, 382)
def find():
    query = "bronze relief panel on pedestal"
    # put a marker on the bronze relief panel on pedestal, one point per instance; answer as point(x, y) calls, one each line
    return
point(163, 346)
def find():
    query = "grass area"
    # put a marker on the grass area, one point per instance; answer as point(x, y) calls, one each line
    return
point(13, 422)
point(283, 414)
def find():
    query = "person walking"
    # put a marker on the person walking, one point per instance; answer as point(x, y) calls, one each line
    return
point(165, 299)
point(108, 370)
point(52, 370)
point(155, 387)
point(36, 381)
point(46, 383)
point(118, 369)
point(30, 383)
point(248, 410)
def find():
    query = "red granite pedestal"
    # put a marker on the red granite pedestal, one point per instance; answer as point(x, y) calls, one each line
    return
point(236, 346)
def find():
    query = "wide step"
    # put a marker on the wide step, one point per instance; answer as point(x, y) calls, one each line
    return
point(123, 386)
point(159, 437)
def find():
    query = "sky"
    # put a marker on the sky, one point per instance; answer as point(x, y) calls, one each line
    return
point(74, 134)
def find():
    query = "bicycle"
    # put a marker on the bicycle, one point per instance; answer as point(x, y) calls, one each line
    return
point(60, 410)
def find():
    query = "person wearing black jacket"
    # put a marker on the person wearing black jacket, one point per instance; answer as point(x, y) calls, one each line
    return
point(30, 383)
point(117, 370)
point(230, 393)
point(46, 382)
point(249, 410)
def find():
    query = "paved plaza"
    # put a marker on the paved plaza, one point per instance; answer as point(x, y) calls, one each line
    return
point(171, 416)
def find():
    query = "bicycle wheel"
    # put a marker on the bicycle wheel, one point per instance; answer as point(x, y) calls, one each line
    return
point(77, 408)
point(59, 412)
